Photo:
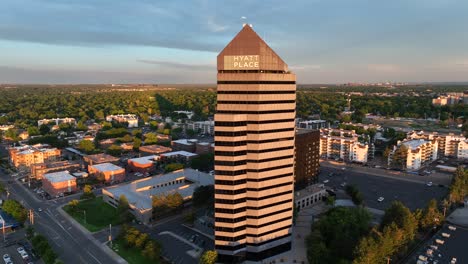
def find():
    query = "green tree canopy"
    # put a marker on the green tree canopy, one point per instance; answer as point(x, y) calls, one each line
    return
point(209, 257)
point(15, 209)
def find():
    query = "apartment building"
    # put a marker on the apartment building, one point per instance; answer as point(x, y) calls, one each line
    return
point(343, 144)
point(131, 119)
point(24, 156)
point(58, 183)
point(57, 121)
point(449, 145)
point(203, 127)
point(420, 152)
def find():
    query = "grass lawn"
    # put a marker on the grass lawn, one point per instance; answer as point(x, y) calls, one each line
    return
point(131, 255)
point(99, 214)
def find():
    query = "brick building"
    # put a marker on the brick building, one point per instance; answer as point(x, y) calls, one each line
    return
point(58, 183)
point(307, 155)
point(142, 164)
point(24, 156)
point(112, 173)
point(153, 149)
point(39, 169)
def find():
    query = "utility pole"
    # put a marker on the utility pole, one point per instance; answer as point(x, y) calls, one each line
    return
point(110, 234)
point(84, 212)
point(31, 216)
point(3, 230)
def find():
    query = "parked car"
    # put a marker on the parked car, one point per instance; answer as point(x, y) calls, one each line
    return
point(7, 259)
point(380, 199)
point(429, 184)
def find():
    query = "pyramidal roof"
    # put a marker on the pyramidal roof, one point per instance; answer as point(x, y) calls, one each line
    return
point(248, 51)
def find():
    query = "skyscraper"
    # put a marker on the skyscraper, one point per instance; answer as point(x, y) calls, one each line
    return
point(254, 151)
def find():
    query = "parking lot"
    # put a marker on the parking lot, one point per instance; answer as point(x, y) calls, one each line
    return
point(452, 247)
point(12, 242)
point(413, 194)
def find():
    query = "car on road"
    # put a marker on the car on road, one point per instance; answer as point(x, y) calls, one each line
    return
point(326, 181)
point(7, 259)
point(343, 184)
point(39, 209)
point(429, 184)
point(380, 199)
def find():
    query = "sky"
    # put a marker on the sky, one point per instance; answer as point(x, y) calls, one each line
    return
point(177, 41)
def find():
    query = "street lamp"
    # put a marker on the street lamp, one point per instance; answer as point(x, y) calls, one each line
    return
point(84, 212)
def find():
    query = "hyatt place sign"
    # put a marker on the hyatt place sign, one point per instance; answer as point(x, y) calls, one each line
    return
point(241, 62)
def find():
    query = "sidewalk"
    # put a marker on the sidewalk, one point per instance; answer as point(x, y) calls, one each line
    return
point(104, 247)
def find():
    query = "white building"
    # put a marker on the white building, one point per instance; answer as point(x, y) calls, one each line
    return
point(204, 127)
point(449, 145)
point(188, 113)
point(344, 145)
point(131, 119)
point(309, 196)
point(313, 124)
point(140, 192)
point(420, 152)
point(57, 121)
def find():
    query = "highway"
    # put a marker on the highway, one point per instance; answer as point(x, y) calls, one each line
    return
point(70, 244)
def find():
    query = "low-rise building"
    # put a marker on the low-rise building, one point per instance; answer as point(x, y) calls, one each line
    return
point(39, 169)
point(142, 164)
point(24, 156)
point(177, 156)
point(203, 148)
point(57, 121)
point(154, 149)
point(58, 183)
point(313, 124)
point(419, 153)
point(449, 145)
point(99, 158)
point(309, 196)
point(131, 119)
point(6, 127)
point(106, 143)
point(203, 127)
point(188, 145)
point(112, 173)
point(139, 193)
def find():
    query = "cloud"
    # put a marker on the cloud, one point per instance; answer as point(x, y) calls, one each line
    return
point(214, 26)
point(179, 65)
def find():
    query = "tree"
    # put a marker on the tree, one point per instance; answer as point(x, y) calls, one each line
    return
point(190, 132)
point(44, 129)
point(136, 143)
point(151, 138)
point(331, 200)
point(355, 194)
point(153, 125)
point(339, 229)
point(459, 187)
point(87, 146)
point(400, 215)
point(141, 240)
point(209, 257)
point(127, 138)
point(203, 162)
point(174, 200)
point(73, 204)
point(30, 232)
point(131, 236)
point(15, 209)
point(399, 157)
point(431, 216)
point(173, 167)
point(386, 153)
point(203, 196)
point(114, 150)
point(87, 192)
point(12, 134)
point(123, 209)
point(33, 131)
point(152, 250)
point(80, 126)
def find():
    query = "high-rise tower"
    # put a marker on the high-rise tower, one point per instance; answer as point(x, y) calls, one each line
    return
point(254, 151)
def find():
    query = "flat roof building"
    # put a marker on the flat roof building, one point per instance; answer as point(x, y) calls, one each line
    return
point(142, 164)
point(139, 193)
point(58, 183)
point(182, 156)
point(39, 169)
point(112, 173)
point(99, 158)
point(24, 156)
point(254, 151)
point(131, 119)
point(307, 156)
point(154, 149)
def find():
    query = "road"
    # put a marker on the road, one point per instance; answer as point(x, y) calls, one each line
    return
point(71, 245)
point(414, 194)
